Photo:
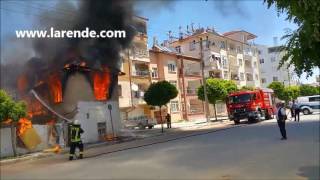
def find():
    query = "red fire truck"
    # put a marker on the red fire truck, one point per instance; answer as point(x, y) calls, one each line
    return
point(251, 105)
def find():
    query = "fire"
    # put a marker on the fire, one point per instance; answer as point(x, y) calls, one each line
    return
point(23, 125)
point(55, 88)
point(101, 83)
point(22, 83)
point(34, 107)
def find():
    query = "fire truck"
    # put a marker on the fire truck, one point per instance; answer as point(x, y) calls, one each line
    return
point(251, 105)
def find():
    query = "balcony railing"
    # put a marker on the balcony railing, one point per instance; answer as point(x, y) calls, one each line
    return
point(195, 110)
point(191, 91)
point(191, 73)
point(141, 73)
point(248, 68)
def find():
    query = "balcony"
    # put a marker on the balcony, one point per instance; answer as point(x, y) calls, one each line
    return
point(138, 97)
point(140, 54)
point(250, 83)
point(191, 73)
point(141, 73)
point(191, 91)
point(215, 75)
point(196, 107)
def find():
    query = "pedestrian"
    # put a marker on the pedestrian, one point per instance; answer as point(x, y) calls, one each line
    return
point(168, 118)
point(291, 109)
point(75, 139)
point(296, 109)
point(281, 119)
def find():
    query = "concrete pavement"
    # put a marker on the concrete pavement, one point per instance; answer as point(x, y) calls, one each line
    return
point(248, 152)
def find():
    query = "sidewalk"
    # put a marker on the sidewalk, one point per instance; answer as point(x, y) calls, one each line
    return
point(139, 138)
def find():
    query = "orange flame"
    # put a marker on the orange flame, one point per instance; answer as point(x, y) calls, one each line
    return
point(23, 125)
point(22, 83)
point(55, 88)
point(101, 83)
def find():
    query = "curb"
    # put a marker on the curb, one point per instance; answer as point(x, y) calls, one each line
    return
point(40, 155)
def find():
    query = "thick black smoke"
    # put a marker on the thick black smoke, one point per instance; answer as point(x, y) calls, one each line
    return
point(96, 15)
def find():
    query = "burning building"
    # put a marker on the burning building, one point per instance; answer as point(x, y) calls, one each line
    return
point(78, 78)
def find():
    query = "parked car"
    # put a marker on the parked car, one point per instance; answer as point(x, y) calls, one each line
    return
point(309, 104)
point(141, 122)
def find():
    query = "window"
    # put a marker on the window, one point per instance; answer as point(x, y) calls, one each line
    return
point(275, 78)
point(261, 61)
point(171, 68)
point(259, 52)
point(240, 62)
point(257, 77)
point(255, 64)
point(154, 72)
point(222, 45)
point(314, 99)
point(273, 59)
point(207, 42)
point(242, 76)
point(192, 45)
point(238, 49)
point(231, 47)
point(225, 74)
point(173, 83)
point(174, 106)
point(224, 62)
point(119, 90)
point(178, 49)
point(263, 80)
point(102, 129)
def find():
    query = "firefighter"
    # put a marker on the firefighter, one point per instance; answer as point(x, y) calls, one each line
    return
point(75, 139)
point(168, 118)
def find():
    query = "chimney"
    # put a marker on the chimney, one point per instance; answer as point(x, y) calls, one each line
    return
point(155, 41)
point(275, 41)
point(165, 43)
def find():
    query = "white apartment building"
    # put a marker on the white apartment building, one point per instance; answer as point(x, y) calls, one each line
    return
point(269, 62)
point(231, 56)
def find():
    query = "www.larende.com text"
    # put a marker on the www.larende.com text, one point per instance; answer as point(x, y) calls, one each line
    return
point(87, 33)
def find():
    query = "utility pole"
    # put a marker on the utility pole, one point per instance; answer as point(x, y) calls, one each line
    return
point(204, 82)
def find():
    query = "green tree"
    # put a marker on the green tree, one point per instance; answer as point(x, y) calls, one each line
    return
point(278, 89)
point(302, 46)
point(217, 89)
point(159, 94)
point(307, 90)
point(11, 110)
point(289, 93)
point(230, 86)
point(246, 88)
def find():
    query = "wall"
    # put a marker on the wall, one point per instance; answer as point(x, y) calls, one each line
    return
point(90, 113)
point(6, 147)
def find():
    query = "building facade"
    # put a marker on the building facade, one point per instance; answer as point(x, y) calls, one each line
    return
point(270, 58)
point(136, 76)
point(230, 56)
point(184, 73)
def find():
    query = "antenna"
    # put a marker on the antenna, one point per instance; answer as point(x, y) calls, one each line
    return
point(180, 32)
point(192, 29)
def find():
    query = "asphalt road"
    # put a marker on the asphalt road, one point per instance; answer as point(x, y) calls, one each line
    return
point(254, 151)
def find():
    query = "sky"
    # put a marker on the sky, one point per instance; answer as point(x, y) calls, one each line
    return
point(249, 15)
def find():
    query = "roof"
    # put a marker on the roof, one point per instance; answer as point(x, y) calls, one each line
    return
point(140, 17)
point(171, 51)
point(250, 35)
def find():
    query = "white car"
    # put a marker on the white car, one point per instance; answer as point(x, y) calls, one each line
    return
point(309, 104)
